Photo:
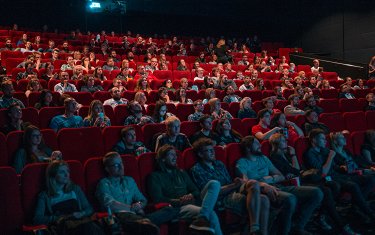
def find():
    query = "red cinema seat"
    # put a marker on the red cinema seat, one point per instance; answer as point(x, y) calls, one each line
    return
point(357, 138)
point(83, 98)
point(303, 67)
point(233, 151)
point(102, 96)
point(266, 147)
point(370, 119)
point(112, 134)
point(121, 113)
point(184, 110)
point(329, 75)
point(267, 93)
point(329, 105)
point(146, 162)
point(355, 121)
point(34, 98)
point(189, 128)
point(334, 121)
point(280, 104)
point(80, 143)
point(361, 93)
point(149, 130)
point(329, 93)
point(177, 75)
point(22, 84)
point(351, 105)
point(21, 96)
point(192, 94)
point(301, 145)
point(30, 115)
point(247, 124)
point(163, 75)
point(253, 94)
point(11, 216)
point(4, 151)
point(233, 108)
point(46, 114)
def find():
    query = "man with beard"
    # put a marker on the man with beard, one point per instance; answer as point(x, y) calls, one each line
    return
point(29, 71)
point(8, 45)
point(7, 99)
point(116, 98)
point(173, 185)
point(68, 119)
point(64, 85)
point(254, 165)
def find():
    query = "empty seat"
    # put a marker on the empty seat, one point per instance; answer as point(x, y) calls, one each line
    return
point(83, 98)
point(149, 130)
point(11, 216)
point(334, 121)
point(189, 128)
point(355, 121)
point(184, 110)
point(370, 119)
point(329, 93)
point(80, 143)
point(233, 151)
point(253, 94)
point(47, 113)
point(121, 113)
point(329, 105)
point(177, 75)
point(247, 124)
point(351, 105)
point(357, 139)
point(163, 75)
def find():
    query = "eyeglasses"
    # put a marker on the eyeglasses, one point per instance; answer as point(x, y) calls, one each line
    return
point(117, 165)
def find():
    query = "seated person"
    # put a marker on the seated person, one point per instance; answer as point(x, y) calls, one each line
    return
point(68, 119)
point(69, 64)
point(226, 134)
point(360, 85)
point(184, 83)
point(321, 158)
point(206, 131)
point(289, 129)
point(199, 74)
point(14, 122)
point(125, 75)
point(64, 85)
point(259, 85)
point(311, 104)
point(141, 98)
point(173, 185)
point(153, 65)
point(241, 196)
point(247, 85)
point(181, 97)
point(173, 136)
point(230, 95)
point(286, 84)
point(161, 112)
point(110, 65)
point(315, 66)
point(278, 93)
point(142, 85)
point(77, 73)
point(120, 84)
point(371, 102)
point(64, 201)
point(129, 144)
point(96, 116)
point(284, 158)
point(216, 111)
point(98, 74)
point(120, 194)
point(163, 95)
point(33, 86)
point(90, 85)
point(292, 109)
point(33, 150)
point(7, 99)
point(262, 130)
point(325, 85)
point(312, 122)
point(136, 116)
point(168, 84)
point(45, 100)
point(208, 82)
point(224, 82)
point(209, 94)
point(368, 147)
point(29, 71)
point(116, 98)
point(345, 92)
point(198, 111)
point(245, 110)
point(269, 104)
point(254, 165)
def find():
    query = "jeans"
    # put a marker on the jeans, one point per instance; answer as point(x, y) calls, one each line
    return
point(308, 199)
point(209, 195)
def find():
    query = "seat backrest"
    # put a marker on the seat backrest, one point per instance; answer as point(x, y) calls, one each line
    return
point(189, 128)
point(357, 138)
point(329, 105)
point(93, 173)
point(233, 108)
point(355, 121)
point(47, 113)
point(301, 145)
point(146, 163)
point(370, 119)
point(247, 124)
point(4, 150)
point(149, 130)
point(11, 216)
point(351, 105)
point(83, 98)
point(233, 151)
point(329, 93)
point(184, 110)
point(121, 113)
point(80, 143)
point(334, 121)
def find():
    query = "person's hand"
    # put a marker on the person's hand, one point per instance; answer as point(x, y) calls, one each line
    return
point(276, 129)
point(344, 168)
point(136, 206)
point(291, 151)
point(289, 123)
point(332, 153)
point(289, 176)
point(239, 181)
point(56, 155)
point(77, 215)
point(187, 199)
point(271, 191)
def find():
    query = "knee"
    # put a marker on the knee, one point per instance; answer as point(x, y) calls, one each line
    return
point(253, 186)
point(318, 195)
point(213, 185)
point(290, 202)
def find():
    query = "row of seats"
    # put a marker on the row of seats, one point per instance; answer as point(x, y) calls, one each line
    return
point(19, 193)
point(94, 142)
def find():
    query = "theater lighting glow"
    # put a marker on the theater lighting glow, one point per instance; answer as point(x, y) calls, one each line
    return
point(95, 5)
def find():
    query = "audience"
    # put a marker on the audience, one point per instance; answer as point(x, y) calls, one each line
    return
point(45, 100)
point(312, 123)
point(174, 186)
point(345, 92)
point(14, 122)
point(289, 129)
point(292, 109)
point(226, 134)
point(370, 98)
point(7, 99)
point(181, 97)
point(33, 86)
point(128, 143)
point(311, 104)
point(245, 110)
point(198, 111)
point(368, 147)
point(161, 112)
point(68, 119)
point(216, 111)
point(90, 85)
point(135, 115)
point(64, 85)
point(230, 95)
point(262, 131)
point(269, 105)
point(206, 130)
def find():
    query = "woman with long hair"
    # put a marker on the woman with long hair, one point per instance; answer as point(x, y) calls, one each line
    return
point(96, 116)
point(62, 202)
point(98, 74)
point(142, 85)
point(45, 100)
point(33, 150)
point(160, 112)
point(226, 134)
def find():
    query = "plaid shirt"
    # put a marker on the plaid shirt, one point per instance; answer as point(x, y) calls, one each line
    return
point(5, 102)
point(202, 173)
point(195, 116)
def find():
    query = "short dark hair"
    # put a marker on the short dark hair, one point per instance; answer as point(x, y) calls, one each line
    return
point(246, 142)
point(314, 133)
point(200, 143)
point(263, 112)
point(309, 112)
point(109, 156)
point(125, 130)
point(291, 97)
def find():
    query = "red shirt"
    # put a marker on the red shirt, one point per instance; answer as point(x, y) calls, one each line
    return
point(258, 128)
